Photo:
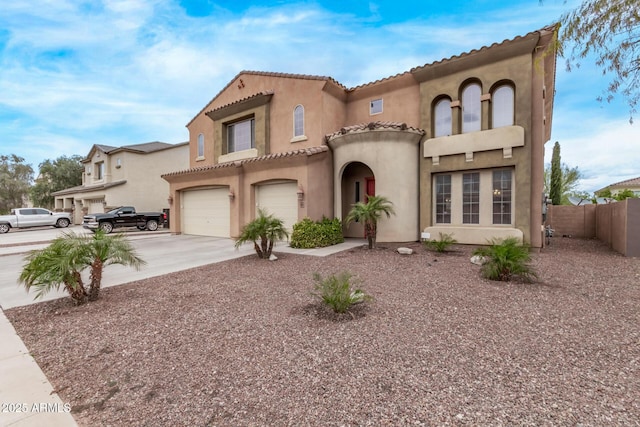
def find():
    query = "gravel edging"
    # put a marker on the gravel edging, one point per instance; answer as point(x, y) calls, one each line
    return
point(243, 342)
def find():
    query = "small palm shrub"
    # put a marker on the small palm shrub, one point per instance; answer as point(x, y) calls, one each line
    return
point(263, 232)
point(506, 259)
point(316, 234)
point(336, 292)
point(61, 264)
point(370, 213)
point(442, 245)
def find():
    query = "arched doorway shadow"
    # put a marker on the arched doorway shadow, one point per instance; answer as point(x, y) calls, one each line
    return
point(357, 182)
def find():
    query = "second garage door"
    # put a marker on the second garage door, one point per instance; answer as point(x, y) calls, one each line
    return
point(206, 212)
point(281, 200)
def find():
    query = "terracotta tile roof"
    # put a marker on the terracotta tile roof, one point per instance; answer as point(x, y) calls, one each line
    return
point(374, 126)
point(382, 80)
point(236, 163)
point(549, 28)
point(238, 101)
point(268, 74)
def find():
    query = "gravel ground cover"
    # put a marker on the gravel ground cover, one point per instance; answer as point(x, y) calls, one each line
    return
point(244, 343)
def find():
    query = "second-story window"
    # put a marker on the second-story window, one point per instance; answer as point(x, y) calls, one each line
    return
point(200, 146)
point(471, 108)
point(502, 103)
point(241, 136)
point(298, 121)
point(99, 170)
point(442, 118)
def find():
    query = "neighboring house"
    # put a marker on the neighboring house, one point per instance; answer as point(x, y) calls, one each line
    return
point(127, 175)
point(629, 184)
point(457, 145)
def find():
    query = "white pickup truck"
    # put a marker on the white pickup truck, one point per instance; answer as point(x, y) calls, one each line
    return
point(33, 217)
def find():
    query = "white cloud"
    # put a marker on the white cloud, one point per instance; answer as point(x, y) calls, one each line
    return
point(606, 152)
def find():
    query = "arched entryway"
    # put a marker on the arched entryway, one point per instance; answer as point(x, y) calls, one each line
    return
point(358, 182)
point(382, 158)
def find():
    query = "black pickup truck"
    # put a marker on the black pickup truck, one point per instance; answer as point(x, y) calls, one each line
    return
point(124, 216)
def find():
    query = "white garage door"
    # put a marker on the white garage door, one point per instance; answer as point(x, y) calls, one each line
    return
point(96, 206)
point(281, 200)
point(206, 212)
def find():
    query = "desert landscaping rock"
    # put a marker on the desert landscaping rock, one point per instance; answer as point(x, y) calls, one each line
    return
point(244, 342)
point(405, 251)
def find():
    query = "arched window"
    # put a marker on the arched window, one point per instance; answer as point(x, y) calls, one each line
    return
point(298, 121)
point(471, 109)
point(502, 104)
point(201, 145)
point(442, 118)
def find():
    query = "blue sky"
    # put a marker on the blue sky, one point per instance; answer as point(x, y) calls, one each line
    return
point(120, 72)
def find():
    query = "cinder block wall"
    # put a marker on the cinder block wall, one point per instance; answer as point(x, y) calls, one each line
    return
point(577, 221)
point(616, 224)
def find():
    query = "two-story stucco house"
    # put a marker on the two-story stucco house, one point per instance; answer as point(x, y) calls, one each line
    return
point(127, 175)
point(457, 145)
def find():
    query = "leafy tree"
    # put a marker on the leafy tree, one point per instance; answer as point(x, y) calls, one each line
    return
point(266, 229)
point(370, 213)
point(62, 262)
point(555, 185)
point(619, 196)
point(63, 172)
point(625, 194)
point(610, 30)
point(569, 182)
point(15, 178)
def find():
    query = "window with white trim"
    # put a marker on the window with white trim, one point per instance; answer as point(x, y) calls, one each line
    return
point(502, 196)
point(200, 146)
point(484, 198)
point(442, 118)
point(471, 198)
point(298, 121)
point(471, 108)
point(443, 199)
point(375, 107)
point(241, 136)
point(502, 107)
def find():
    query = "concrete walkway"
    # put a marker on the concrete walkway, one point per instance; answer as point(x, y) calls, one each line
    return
point(26, 396)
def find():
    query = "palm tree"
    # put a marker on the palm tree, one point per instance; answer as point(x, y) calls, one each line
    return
point(102, 250)
point(265, 228)
point(62, 262)
point(369, 213)
point(58, 264)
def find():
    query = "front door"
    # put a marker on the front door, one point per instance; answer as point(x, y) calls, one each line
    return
point(371, 187)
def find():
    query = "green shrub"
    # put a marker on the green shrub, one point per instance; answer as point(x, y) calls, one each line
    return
point(316, 234)
point(506, 259)
point(336, 292)
point(441, 245)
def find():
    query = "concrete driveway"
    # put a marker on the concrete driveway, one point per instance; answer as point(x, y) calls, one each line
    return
point(163, 252)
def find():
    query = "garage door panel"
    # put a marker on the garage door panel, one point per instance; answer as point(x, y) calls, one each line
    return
point(281, 200)
point(206, 212)
point(96, 206)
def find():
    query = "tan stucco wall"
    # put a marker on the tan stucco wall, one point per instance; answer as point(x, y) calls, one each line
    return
point(400, 102)
point(311, 173)
point(396, 180)
point(274, 121)
point(517, 70)
point(144, 189)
